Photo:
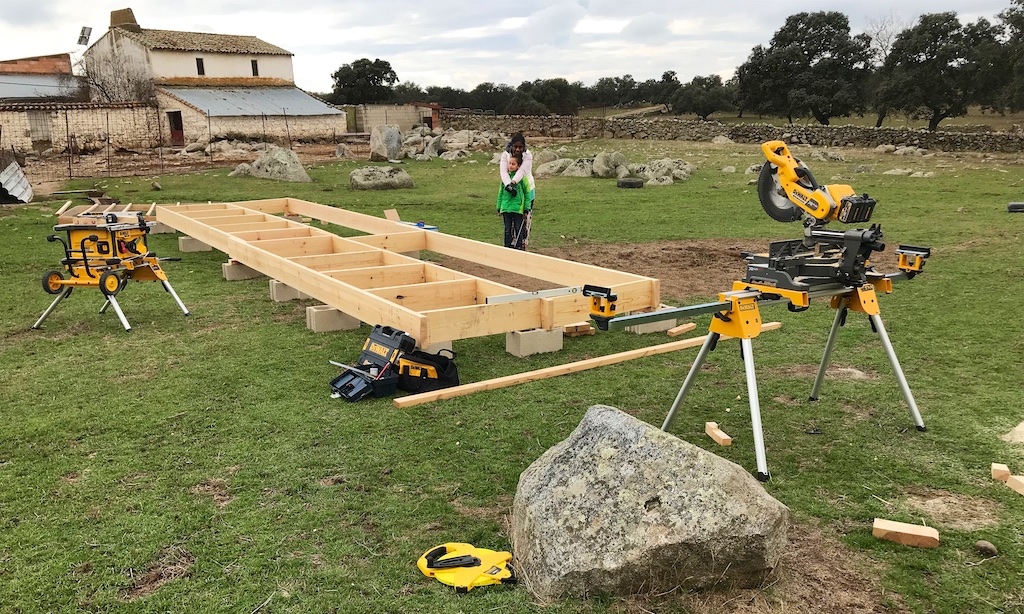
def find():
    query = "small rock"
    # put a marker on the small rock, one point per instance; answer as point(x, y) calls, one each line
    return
point(157, 186)
point(986, 548)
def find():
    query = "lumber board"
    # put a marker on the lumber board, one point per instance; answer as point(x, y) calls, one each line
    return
point(432, 295)
point(341, 260)
point(572, 367)
point(711, 430)
point(392, 215)
point(381, 276)
point(63, 209)
point(679, 330)
point(308, 246)
point(269, 224)
point(343, 217)
point(269, 205)
point(1016, 482)
point(226, 220)
point(906, 534)
point(273, 233)
point(395, 241)
point(479, 320)
point(1000, 472)
point(222, 211)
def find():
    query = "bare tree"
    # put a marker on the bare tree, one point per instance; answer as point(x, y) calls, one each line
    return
point(112, 78)
point(883, 32)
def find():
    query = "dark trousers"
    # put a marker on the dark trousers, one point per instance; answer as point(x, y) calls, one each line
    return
point(515, 230)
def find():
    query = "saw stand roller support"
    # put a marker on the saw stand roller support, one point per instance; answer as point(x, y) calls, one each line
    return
point(742, 320)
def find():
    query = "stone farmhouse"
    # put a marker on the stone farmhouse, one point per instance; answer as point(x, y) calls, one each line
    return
point(212, 85)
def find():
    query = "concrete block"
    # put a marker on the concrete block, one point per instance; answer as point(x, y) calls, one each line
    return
point(434, 348)
point(537, 341)
point(188, 244)
point(159, 228)
point(652, 327)
point(325, 319)
point(236, 271)
point(282, 293)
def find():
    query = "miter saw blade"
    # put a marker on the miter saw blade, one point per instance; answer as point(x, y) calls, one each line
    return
point(773, 198)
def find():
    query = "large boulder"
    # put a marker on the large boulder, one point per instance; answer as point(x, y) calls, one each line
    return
point(434, 147)
point(544, 156)
point(676, 169)
point(583, 167)
point(607, 164)
point(385, 143)
point(380, 178)
point(550, 169)
point(621, 507)
point(275, 163)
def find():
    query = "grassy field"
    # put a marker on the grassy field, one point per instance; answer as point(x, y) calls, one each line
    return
point(197, 464)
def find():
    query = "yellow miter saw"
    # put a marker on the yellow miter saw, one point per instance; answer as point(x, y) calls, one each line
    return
point(788, 192)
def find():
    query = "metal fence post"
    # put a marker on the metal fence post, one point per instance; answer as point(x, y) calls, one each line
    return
point(287, 130)
point(67, 139)
point(108, 143)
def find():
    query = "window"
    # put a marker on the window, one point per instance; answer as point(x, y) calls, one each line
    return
point(255, 69)
point(200, 69)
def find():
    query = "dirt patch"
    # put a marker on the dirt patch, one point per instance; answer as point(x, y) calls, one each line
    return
point(333, 480)
point(215, 488)
point(833, 372)
point(170, 564)
point(496, 512)
point(817, 574)
point(1016, 435)
point(954, 510)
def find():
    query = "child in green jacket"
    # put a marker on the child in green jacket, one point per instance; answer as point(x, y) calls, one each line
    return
point(513, 205)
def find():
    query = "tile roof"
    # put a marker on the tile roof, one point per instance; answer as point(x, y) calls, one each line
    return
point(199, 41)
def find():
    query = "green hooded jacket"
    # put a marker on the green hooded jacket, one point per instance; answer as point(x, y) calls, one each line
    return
point(513, 204)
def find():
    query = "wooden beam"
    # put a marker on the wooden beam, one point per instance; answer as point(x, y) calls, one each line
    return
point(342, 217)
point(915, 535)
point(573, 367)
point(380, 276)
point(308, 246)
point(227, 220)
point(222, 211)
point(480, 320)
point(712, 431)
point(268, 224)
point(1000, 472)
point(274, 233)
point(340, 261)
point(64, 208)
point(435, 295)
point(395, 241)
point(392, 215)
point(682, 328)
point(1016, 482)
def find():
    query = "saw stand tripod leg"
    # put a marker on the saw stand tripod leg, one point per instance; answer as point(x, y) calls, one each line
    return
point(112, 302)
point(60, 297)
point(755, 403)
point(876, 322)
point(170, 290)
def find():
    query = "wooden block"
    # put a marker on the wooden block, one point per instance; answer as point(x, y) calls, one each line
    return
point(392, 214)
point(1000, 472)
point(1016, 482)
point(906, 534)
point(682, 328)
point(712, 430)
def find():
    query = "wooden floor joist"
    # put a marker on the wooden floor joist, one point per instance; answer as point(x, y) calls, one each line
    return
point(371, 278)
point(572, 367)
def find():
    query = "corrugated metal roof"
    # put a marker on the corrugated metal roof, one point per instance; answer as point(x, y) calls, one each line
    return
point(13, 86)
point(243, 101)
point(201, 41)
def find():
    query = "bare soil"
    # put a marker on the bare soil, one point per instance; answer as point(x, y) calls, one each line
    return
point(952, 510)
point(170, 564)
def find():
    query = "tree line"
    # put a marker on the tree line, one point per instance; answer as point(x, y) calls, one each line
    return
point(813, 66)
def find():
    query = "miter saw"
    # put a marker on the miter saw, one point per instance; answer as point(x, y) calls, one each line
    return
point(824, 263)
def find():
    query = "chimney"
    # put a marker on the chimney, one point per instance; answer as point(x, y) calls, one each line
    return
point(124, 19)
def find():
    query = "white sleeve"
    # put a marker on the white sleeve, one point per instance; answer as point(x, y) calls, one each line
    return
point(525, 168)
point(503, 165)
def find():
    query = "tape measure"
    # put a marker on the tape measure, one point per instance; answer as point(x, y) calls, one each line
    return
point(465, 566)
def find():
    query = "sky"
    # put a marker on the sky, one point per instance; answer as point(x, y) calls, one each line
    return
point(462, 43)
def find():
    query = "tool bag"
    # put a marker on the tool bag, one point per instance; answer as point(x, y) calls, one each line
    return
point(419, 371)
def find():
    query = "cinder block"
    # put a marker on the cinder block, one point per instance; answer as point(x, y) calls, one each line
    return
point(537, 341)
point(282, 292)
point(236, 271)
point(188, 244)
point(434, 348)
point(325, 319)
point(652, 327)
point(159, 228)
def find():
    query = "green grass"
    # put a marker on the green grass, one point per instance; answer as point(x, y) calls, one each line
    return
point(114, 444)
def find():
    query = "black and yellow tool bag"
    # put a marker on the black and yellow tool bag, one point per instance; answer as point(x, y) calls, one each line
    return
point(419, 371)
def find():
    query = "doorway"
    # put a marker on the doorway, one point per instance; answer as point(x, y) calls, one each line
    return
point(177, 128)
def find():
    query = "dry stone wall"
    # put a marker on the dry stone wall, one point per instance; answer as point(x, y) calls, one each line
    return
point(692, 130)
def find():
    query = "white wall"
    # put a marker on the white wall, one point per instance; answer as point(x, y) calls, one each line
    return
point(171, 65)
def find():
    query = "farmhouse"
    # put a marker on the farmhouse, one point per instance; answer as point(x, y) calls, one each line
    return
point(206, 85)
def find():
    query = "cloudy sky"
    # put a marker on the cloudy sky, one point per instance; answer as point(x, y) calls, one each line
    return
point(461, 43)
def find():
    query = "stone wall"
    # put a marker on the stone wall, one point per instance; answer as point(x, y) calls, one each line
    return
point(50, 126)
point(402, 115)
point(693, 130)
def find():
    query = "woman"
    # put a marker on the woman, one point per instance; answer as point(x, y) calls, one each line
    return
point(521, 179)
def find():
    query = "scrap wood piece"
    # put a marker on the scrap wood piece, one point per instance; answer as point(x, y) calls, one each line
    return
point(572, 367)
point(1016, 482)
point(64, 208)
point(915, 535)
point(1000, 472)
point(579, 329)
point(392, 214)
point(712, 431)
point(682, 328)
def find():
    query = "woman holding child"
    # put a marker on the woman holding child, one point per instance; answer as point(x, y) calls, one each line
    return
point(516, 194)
